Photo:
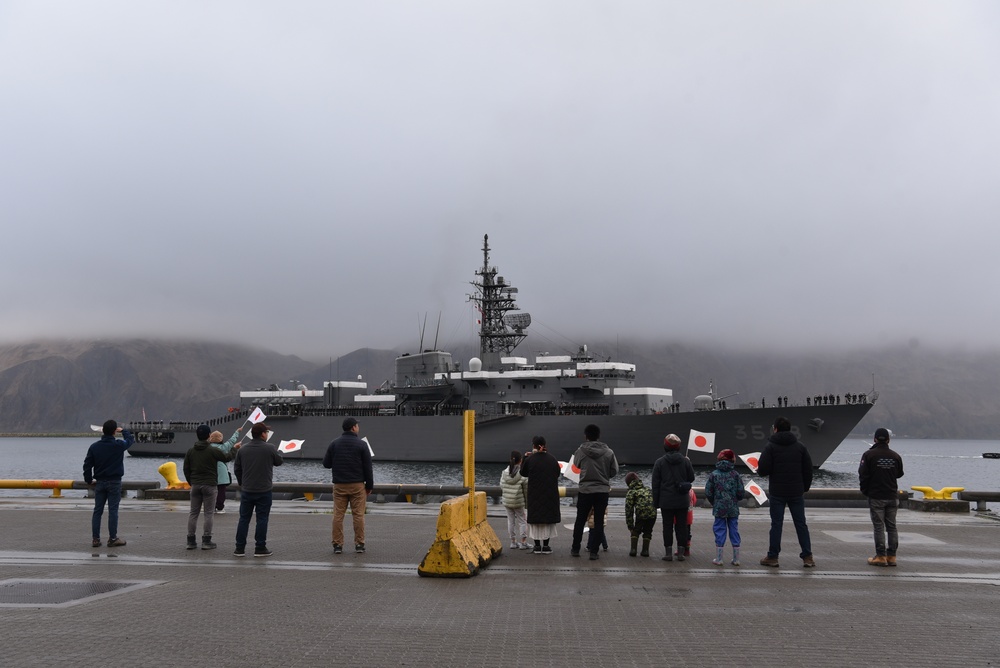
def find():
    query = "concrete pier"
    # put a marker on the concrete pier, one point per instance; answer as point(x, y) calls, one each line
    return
point(155, 603)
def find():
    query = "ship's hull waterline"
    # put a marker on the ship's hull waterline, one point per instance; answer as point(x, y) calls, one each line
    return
point(636, 439)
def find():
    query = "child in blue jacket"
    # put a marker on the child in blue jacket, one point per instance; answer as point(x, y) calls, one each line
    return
point(724, 490)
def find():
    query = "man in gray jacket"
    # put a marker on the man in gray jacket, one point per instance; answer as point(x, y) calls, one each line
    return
point(598, 465)
point(254, 468)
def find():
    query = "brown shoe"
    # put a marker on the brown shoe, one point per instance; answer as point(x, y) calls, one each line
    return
point(116, 542)
point(878, 560)
point(890, 561)
point(769, 561)
point(807, 562)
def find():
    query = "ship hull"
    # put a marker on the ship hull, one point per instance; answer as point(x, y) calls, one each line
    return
point(636, 439)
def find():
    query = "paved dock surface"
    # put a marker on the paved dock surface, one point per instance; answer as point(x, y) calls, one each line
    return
point(304, 606)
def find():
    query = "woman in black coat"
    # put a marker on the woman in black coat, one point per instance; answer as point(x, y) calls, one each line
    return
point(672, 478)
point(542, 471)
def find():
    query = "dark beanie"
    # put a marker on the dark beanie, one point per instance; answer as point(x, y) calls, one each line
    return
point(632, 476)
point(202, 432)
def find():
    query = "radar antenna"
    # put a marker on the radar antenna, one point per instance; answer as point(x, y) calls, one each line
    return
point(500, 330)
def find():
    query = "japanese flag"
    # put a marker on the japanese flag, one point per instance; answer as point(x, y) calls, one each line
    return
point(701, 442)
point(365, 439)
point(757, 491)
point(256, 416)
point(751, 460)
point(570, 470)
point(290, 446)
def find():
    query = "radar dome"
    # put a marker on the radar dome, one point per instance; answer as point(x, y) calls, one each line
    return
point(475, 365)
point(703, 402)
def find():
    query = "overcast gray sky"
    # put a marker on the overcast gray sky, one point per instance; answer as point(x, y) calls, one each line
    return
point(314, 177)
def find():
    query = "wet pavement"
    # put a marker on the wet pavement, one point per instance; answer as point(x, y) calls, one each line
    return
point(153, 602)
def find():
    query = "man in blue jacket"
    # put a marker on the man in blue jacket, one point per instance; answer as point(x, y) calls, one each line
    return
point(350, 462)
point(103, 467)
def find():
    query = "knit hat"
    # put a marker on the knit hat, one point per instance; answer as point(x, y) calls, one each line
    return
point(672, 442)
point(632, 476)
point(202, 432)
point(728, 455)
point(881, 434)
point(215, 437)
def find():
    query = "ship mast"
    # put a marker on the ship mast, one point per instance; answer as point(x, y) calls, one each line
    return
point(500, 330)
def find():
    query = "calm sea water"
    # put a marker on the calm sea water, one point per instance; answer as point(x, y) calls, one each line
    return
point(934, 463)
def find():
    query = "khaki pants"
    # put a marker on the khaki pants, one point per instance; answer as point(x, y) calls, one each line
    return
point(353, 493)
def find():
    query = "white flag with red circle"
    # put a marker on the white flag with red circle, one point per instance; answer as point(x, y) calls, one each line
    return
point(570, 470)
point(757, 491)
point(751, 460)
point(290, 446)
point(256, 416)
point(700, 441)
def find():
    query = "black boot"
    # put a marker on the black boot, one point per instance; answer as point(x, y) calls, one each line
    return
point(207, 544)
point(645, 548)
point(635, 544)
point(192, 543)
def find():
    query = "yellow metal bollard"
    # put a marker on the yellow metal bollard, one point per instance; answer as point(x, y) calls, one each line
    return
point(943, 493)
point(169, 472)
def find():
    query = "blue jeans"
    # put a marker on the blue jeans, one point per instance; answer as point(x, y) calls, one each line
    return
point(797, 506)
point(250, 502)
point(883, 512)
point(106, 492)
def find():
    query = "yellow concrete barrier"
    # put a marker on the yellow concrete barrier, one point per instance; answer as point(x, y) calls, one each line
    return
point(169, 472)
point(943, 493)
point(465, 541)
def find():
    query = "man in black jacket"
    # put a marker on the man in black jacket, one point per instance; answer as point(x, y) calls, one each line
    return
point(879, 470)
point(350, 462)
point(788, 466)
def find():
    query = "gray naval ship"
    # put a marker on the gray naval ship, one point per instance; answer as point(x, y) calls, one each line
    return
point(418, 417)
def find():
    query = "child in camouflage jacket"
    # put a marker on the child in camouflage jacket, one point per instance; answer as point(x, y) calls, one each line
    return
point(640, 513)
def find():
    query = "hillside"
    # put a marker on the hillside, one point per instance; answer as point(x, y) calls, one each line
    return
point(48, 386)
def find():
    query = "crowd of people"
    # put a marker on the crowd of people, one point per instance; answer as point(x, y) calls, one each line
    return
point(530, 492)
